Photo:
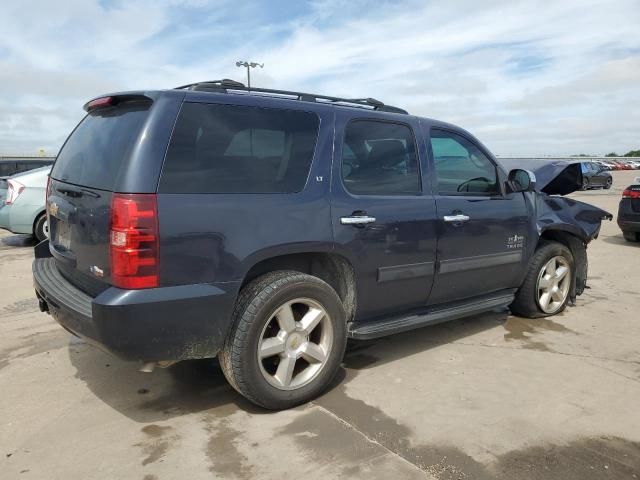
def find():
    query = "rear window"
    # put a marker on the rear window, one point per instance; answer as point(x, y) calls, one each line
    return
point(99, 145)
point(237, 149)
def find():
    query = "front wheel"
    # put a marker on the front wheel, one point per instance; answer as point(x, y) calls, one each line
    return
point(287, 340)
point(546, 288)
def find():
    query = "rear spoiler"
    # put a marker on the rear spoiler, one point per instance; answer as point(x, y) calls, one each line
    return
point(112, 100)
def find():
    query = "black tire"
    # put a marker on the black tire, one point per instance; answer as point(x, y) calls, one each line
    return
point(631, 236)
point(608, 183)
point(255, 307)
point(585, 184)
point(526, 304)
point(40, 230)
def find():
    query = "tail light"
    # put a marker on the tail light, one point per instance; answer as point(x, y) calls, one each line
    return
point(47, 194)
point(13, 191)
point(134, 241)
point(628, 193)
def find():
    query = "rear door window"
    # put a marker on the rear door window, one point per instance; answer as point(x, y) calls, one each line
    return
point(100, 145)
point(237, 149)
point(379, 158)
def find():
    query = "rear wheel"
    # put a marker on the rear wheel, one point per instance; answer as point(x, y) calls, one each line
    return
point(608, 183)
point(631, 236)
point(585, 184)
point(41, 228)
point(287, 340)
point(546, 288)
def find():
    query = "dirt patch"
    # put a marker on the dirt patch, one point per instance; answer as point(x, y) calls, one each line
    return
point(222, 451)
point(322, 437)
point(157, 442)
point(28, 305)
point(524, 328)
point(582, 459)
point(34, 344)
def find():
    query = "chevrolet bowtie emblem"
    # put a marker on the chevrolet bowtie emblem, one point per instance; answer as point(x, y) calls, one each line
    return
point(53, 208)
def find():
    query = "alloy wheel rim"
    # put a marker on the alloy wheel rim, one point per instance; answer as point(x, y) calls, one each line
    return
point(295, 344)
point(45, 229)
point(553, 284)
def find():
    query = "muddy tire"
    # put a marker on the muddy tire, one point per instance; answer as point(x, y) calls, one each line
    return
point(547, 286)
point(287, 340)
point(41, 228)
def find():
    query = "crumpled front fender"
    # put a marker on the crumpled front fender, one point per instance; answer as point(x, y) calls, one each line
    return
point(566, 214)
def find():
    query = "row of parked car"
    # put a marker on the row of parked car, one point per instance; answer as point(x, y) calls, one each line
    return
point(619, 164)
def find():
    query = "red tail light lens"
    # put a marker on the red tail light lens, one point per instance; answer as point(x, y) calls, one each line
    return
point(99, 103)
point(631, 193)
point(134, 241)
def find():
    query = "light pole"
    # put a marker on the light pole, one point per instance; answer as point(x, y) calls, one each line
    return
point(249, 66)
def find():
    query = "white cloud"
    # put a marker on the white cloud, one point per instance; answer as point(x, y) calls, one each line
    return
point(526, 77)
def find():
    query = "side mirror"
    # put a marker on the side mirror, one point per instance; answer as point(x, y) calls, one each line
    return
point(520, 180)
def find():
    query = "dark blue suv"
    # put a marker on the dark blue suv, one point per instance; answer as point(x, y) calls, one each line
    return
point(268, 227)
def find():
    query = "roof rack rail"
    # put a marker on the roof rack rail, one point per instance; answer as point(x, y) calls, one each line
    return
point(224, 85)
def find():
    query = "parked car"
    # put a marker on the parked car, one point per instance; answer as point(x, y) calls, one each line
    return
point(629, 212)
point(23, 206)
point(268, 227)
point(595, 176)
point(635, 164)
point(13, 166)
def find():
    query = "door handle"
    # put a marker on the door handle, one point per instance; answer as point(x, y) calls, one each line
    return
point(357, 220)
point(458, 218)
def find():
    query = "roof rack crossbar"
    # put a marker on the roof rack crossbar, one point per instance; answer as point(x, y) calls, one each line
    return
point(226, 84)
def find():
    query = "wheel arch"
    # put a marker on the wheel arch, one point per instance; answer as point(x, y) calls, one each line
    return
point(330, 267)
point(36, 218)
point(578, 248)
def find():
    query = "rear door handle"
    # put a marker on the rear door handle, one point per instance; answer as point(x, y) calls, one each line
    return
point(357, 220)
point(459, 218)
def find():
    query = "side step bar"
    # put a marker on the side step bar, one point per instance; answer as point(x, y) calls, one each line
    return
point(391, 325)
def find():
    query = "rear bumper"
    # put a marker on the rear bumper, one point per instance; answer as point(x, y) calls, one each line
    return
point(168, 323)
point(628, 226)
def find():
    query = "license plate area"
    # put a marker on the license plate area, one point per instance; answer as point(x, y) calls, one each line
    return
point(63, 235)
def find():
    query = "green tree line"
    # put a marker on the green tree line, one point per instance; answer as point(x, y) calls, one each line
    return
point(632, 153)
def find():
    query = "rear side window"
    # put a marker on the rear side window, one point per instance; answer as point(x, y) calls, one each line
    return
point(238, 149)
point(100, 144)
point(379, 158)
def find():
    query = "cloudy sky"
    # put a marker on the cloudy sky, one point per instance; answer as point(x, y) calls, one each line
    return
point(526, 77)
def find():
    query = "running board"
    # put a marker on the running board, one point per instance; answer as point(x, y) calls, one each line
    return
point(391, 325)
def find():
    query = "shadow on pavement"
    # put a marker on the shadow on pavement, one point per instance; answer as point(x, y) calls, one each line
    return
point(368, 354)
point(18, 241)
point(199, 385)
point(619, 240)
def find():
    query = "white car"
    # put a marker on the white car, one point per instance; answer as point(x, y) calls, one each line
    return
point(23, 209)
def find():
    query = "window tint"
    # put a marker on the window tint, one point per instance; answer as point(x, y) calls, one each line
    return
point(461, 166)
point(379, 159)
point(100, 144)
point(235, 149)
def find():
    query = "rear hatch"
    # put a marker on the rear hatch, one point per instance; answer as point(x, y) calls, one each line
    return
point(630, 203)
point(83, 179)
